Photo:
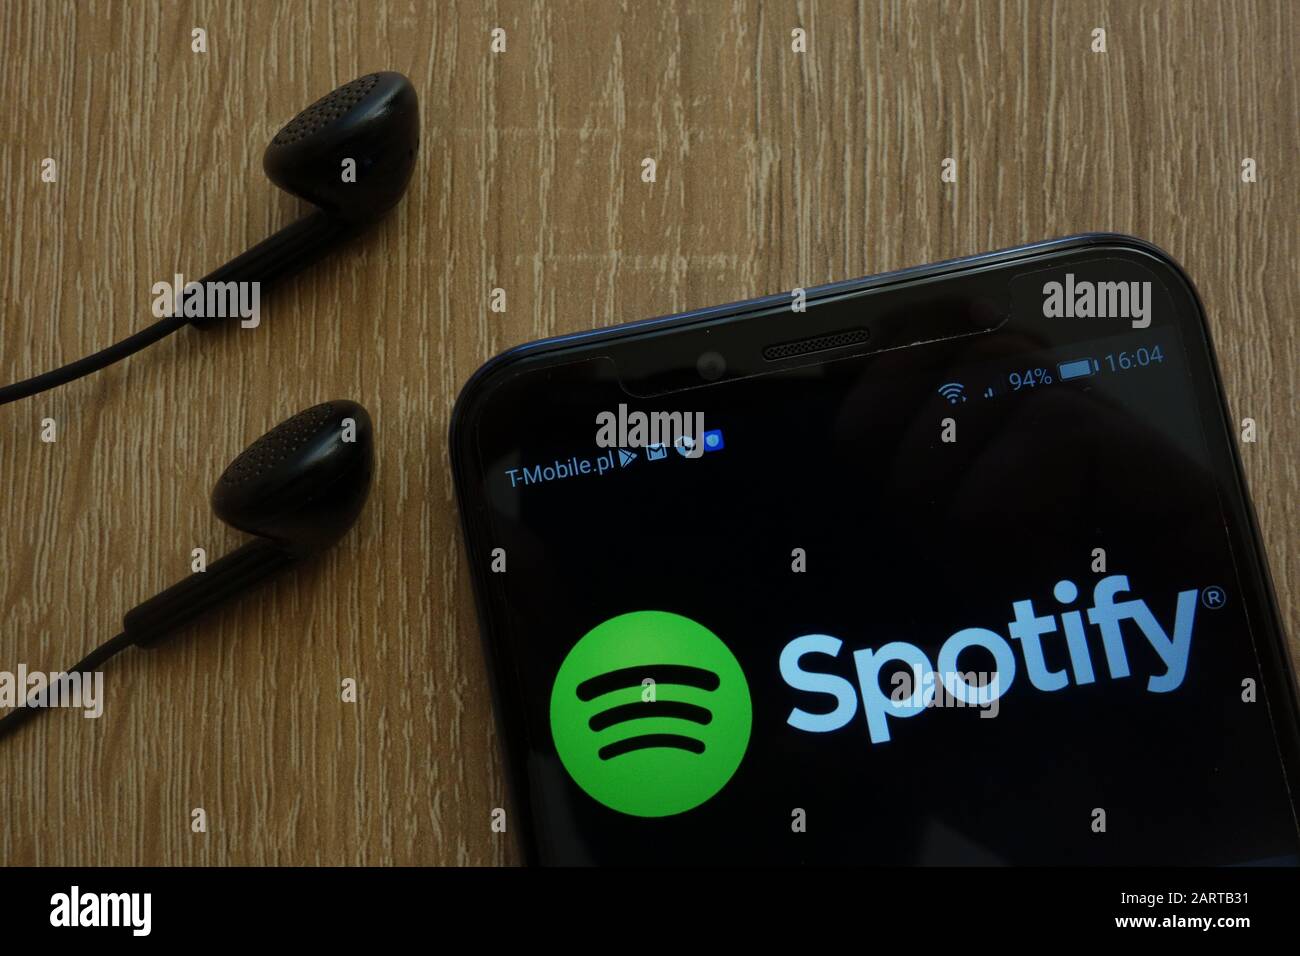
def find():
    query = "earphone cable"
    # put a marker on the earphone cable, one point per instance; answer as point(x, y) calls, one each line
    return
point(92, 363)
point(25, 712)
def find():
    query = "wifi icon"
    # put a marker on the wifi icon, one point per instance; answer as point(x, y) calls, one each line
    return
point(955, 392)
point(650, 713)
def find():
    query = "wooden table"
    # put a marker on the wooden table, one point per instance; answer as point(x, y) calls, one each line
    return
point(774, 170)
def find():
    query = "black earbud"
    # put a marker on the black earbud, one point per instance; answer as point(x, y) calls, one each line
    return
point(374, 122)
point(298, 489)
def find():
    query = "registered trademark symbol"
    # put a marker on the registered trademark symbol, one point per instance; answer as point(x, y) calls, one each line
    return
point(1214, 597)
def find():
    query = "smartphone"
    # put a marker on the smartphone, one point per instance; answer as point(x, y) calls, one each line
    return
point(953, 565)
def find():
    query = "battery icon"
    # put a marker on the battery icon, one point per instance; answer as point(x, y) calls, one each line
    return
point(1077, 369)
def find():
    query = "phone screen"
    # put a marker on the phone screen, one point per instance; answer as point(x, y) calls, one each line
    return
point(983, 599)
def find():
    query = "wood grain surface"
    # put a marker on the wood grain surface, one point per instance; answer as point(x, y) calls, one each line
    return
point(775, 170)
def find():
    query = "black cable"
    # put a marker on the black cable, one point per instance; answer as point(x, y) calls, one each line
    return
point(282, 254)
point(26, 711)
point(92, 363)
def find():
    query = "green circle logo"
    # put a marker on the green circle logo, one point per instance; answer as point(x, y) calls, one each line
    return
point(650, 713)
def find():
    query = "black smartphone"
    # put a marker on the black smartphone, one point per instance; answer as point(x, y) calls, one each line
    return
point(954, 565)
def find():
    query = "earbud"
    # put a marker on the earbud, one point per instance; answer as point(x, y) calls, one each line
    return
point(374, 122)
point(298, 489)
point(350, 154)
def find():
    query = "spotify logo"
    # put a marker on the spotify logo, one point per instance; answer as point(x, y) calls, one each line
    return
point(650, 713)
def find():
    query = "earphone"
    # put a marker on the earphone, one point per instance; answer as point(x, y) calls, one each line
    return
point(301, 486)
point(298, 489)
point(374, 121)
